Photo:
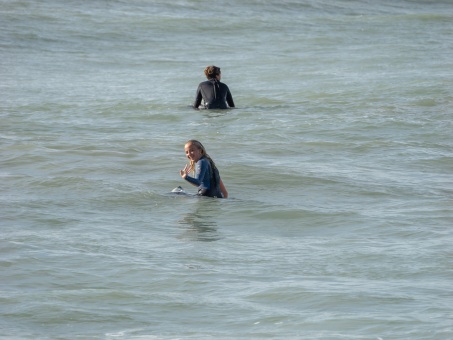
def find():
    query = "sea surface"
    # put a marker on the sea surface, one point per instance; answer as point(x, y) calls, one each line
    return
point(338, 159)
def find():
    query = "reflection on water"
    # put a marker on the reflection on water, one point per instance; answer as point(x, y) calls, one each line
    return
point(216, 113)
point(200, 224)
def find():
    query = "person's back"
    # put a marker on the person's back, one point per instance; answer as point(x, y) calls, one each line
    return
point(213, 94)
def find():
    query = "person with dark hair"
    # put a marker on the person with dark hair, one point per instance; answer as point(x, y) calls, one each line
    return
point(206, 175)
point(213, 94)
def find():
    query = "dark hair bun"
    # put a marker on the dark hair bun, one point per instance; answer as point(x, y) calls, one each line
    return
point(211, 71)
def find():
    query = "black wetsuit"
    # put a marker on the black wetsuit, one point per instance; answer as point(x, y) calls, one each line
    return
point(214, 94)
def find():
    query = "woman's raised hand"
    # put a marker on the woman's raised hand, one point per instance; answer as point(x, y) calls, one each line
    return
point(184, 172)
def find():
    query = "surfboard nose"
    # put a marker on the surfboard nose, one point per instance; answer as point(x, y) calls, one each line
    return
point(178, 189)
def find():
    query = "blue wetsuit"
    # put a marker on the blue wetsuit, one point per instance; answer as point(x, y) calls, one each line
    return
point(206, 178)
point(214, 94)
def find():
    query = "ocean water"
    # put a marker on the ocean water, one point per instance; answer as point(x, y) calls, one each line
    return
point(338, 160)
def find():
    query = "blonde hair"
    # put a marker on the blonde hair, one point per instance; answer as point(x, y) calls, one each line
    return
point(199, 146)
point(211, 71)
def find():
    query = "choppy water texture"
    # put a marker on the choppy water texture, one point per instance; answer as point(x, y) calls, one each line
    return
point(338, 161)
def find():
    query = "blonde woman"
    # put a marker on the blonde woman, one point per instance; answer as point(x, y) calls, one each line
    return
point(206, 175)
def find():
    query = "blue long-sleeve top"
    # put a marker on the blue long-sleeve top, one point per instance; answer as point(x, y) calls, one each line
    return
point(202, 174)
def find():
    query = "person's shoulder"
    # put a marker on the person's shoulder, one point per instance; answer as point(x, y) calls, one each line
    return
point(204, 162)
point(205, 83)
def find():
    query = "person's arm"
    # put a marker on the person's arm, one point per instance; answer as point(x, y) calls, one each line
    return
point(200, 171)
point(198, 98)
point(229, 98)
point(223, 189)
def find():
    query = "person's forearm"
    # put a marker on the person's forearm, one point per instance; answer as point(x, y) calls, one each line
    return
point(192, 180)
point(223, 189)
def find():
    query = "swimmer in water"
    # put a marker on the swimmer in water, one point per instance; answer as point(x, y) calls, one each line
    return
point(212, 94)
point(206, 175)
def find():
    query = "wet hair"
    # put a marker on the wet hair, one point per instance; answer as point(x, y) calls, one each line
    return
point(211, 71)
point(200, 146)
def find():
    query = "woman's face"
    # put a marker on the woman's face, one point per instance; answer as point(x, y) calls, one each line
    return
point(192, 152)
